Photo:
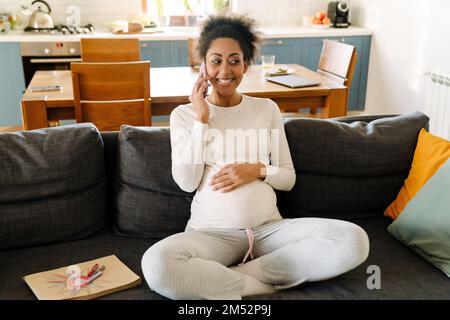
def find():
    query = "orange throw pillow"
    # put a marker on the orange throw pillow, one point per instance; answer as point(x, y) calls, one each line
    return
point(430, 154)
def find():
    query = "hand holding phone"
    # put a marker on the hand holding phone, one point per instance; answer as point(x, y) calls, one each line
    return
point(203, 73)
point(198, 95)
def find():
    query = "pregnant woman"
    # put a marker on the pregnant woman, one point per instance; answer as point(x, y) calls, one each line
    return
point(232, 149)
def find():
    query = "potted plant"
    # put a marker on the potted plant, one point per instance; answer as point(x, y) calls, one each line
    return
point(221, 6)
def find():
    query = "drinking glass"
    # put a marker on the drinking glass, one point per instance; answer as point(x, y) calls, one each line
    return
point(268, 61)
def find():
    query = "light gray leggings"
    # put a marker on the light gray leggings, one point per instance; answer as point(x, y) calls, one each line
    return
point(193, 264)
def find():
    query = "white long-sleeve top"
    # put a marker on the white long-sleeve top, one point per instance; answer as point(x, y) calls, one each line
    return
point(251, 132)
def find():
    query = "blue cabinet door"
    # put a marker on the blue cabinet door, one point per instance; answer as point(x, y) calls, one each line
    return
point(364, 65)
point(285, 50)
point(165, 53)
point(179, 54)
point(311, 52)
point(12, 84)
point(158, 52)
point(310, 58)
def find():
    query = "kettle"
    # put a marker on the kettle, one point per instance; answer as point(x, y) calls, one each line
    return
point(40, 19)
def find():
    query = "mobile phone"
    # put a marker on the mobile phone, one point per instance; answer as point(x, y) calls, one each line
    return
point(203, 73)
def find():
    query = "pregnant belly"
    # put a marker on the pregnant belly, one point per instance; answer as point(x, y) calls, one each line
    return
point(249, 205)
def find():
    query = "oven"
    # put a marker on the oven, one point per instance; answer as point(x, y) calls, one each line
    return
point(38, 56)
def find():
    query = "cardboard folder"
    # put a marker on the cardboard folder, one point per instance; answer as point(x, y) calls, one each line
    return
point(71, 282)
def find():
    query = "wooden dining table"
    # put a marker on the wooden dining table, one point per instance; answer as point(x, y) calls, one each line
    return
point(170, 87)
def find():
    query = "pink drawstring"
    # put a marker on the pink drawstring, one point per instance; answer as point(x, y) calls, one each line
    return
point(251, 240)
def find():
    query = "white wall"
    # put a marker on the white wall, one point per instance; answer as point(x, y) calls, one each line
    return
point(279, 12)
point(96, 12)
point(410, 38)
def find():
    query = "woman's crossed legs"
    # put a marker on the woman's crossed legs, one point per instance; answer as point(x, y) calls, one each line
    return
point(194, 264)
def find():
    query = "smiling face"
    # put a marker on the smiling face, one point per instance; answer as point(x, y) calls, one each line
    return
point(225, 64)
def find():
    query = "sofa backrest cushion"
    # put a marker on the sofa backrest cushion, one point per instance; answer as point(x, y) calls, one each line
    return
point(345, 169)
point(149, 203)
point(52, 185)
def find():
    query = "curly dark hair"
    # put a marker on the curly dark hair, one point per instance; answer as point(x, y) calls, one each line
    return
point(238, 27)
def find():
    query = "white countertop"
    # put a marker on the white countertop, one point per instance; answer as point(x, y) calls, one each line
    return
point(182, 33)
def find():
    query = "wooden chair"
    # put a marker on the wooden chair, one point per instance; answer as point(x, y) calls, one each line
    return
point(192, 53)
point(112, 94)
point(110, 50)
point(337, 62)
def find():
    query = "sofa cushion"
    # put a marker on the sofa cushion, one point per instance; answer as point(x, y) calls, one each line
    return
point(430, 154)
point(425, 222)
point(148, 201)
point(346, 168)
point(404, 275)
point(52, 185)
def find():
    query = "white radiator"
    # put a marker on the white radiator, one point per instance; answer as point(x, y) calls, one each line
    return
point(437, 103)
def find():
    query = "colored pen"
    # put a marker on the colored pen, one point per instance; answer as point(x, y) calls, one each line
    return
point(94, 276)
point(93, 270)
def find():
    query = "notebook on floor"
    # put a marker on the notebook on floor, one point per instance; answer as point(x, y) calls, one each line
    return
point(293, 81)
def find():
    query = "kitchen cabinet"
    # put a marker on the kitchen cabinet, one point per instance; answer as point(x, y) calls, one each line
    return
point(12, 84)
point(165, 53)
point(179, 53)
point(158, 52)
point(285, 50)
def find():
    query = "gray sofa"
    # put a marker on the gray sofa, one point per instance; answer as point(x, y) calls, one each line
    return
point(72, 194)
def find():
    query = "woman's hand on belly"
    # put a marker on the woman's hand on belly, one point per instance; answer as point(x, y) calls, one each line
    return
point(232, 176)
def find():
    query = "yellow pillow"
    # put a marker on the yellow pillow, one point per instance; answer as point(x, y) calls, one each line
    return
point(430, 154)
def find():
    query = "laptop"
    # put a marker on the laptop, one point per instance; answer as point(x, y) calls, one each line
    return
point(293, 81)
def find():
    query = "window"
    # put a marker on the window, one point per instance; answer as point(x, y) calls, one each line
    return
point(157, 8)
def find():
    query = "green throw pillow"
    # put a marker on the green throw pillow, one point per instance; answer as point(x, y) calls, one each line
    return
point(424, 225)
